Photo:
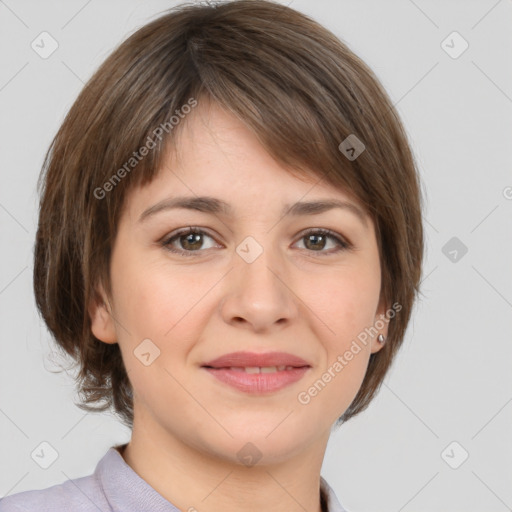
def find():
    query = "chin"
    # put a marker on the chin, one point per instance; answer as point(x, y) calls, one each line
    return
point(269, 445)
point(261, 451)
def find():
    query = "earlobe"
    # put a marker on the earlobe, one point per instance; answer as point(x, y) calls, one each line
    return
point(381, 324)
point(102, 322)
point(378, 343)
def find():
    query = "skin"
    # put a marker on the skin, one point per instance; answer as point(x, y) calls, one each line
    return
point(296, 297)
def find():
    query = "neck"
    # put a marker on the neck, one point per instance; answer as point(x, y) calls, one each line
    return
point(196, 481)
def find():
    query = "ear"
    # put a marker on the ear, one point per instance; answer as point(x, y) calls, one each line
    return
point(102, 321)
point(380, 318)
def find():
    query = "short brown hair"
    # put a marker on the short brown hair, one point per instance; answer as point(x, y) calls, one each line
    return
point(302, 92)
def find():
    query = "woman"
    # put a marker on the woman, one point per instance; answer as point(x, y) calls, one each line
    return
point(229, 245)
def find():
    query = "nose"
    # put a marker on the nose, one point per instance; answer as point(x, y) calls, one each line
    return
point(259, 294)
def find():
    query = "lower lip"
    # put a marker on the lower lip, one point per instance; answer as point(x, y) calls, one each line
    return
point(258, 382)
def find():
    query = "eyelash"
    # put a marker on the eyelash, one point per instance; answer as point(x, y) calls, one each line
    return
point(166, 243)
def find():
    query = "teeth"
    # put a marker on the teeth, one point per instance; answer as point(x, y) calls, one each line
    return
point(258, 369)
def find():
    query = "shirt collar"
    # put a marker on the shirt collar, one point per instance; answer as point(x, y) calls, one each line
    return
point(125, 490)
point(333, 505)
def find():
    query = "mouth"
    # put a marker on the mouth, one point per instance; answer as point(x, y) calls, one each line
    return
point(257, 373)
point(255, 369)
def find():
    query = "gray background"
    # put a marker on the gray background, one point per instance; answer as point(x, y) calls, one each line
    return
point(452, 379)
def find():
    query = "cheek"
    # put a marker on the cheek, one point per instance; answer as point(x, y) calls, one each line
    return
point(165, 307)
point(346, 302)
point(154, 305)
point(345, 305)
point(152, 300)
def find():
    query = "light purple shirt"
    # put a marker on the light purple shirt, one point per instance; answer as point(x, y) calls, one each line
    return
point(113, 487)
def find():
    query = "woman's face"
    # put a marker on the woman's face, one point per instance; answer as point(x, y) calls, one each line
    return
point(251, 279)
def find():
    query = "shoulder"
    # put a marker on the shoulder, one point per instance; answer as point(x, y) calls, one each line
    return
point(82, 494)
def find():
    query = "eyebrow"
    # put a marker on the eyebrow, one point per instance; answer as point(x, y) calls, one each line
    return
point(213, 205)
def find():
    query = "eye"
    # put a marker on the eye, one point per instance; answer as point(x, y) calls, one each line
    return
point(190, 239)
point(316, 239)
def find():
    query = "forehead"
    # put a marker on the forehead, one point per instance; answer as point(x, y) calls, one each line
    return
point(219, 163)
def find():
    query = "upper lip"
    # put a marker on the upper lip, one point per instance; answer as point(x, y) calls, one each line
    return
point(252, 359)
